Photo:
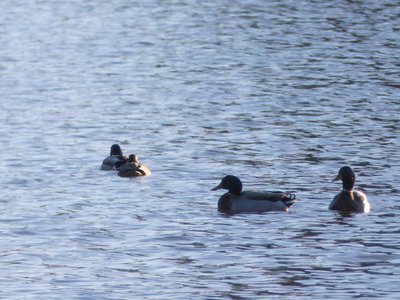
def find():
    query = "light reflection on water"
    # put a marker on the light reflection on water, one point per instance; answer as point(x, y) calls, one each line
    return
point(277, 93)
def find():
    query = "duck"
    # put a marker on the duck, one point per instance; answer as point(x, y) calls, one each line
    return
point(236, 200)
point(115, 160)
point(349, 200)
point(133, 168)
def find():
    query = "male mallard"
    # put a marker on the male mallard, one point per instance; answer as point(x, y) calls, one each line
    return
point(115, 160)
point(250, 201)
point(133, 168)
point(349, 199)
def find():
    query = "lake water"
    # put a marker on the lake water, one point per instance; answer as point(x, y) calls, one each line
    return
point(279, 93)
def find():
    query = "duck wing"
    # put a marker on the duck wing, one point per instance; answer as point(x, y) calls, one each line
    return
point(286, 198)
point(110, 163)
point(263, 195)
point(143, 169)
point(129, 170)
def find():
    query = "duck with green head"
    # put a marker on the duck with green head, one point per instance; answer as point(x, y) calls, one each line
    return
point(236, 200)
point(349, 199)
point(115, 160)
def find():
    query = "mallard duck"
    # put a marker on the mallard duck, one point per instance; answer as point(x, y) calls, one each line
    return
point(349, 199)
point(133, 168)
point(115, 160)
point(250, 201)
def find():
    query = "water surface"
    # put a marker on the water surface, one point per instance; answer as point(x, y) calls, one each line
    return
point(279, 93)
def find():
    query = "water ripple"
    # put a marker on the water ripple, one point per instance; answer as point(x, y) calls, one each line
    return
point(278, 93)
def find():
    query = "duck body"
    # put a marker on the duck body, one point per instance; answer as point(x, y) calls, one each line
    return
point(246, 203)
point(349, 199)
point(115, 160)
point(133, 168)
point(236, 200)
point(354, 201)
point(112, 163)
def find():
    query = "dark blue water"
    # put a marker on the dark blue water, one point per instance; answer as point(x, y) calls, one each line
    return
point(279, 93)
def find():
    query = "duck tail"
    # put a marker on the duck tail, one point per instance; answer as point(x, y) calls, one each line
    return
point(288, 199)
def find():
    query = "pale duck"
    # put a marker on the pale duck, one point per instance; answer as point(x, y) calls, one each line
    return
point(236, 200)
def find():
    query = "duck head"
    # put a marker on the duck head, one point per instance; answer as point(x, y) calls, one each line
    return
point(116, 150)
point(347, 176)
point(133, 159)
point(230, 183)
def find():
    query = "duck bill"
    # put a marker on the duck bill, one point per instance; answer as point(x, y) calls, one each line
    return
point(338, 177)
point(218, 187)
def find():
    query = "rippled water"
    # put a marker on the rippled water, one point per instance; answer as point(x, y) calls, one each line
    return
point(279, 93)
